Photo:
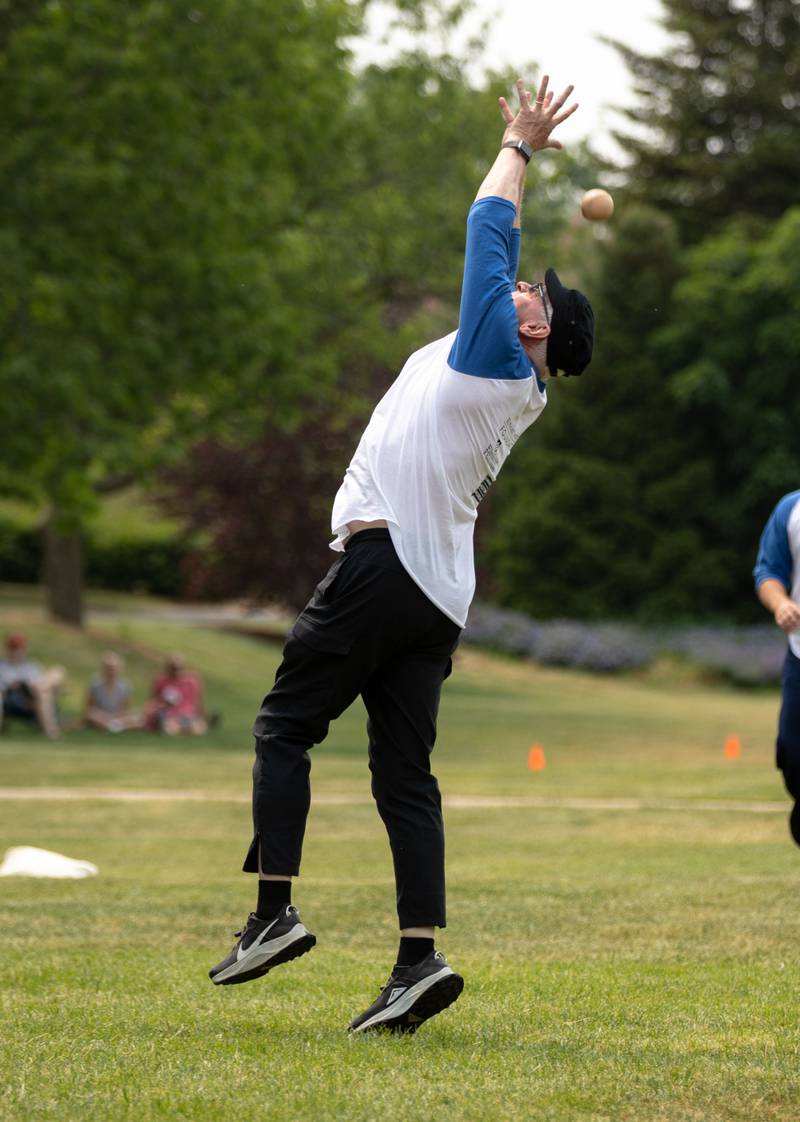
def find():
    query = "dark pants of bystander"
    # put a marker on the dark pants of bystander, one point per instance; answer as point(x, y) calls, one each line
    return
point(788, 745)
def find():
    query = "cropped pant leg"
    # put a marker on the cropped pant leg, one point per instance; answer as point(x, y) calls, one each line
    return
point(312, 688)
point(402, 701)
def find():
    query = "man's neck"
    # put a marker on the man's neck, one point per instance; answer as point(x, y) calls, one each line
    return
point(537, 353)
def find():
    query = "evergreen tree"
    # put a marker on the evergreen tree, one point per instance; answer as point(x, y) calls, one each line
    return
point(734, 349)
point(718, 113)
point(602, 509)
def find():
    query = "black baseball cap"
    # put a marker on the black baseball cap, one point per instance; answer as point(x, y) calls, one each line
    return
point(571, 338)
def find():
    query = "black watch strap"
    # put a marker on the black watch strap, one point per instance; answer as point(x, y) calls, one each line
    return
point(522, 147)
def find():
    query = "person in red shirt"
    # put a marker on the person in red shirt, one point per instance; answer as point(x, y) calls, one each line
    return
point(176, 702)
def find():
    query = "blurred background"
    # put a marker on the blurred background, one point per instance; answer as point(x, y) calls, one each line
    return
point(223, 228)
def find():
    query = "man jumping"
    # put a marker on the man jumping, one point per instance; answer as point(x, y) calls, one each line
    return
point(386, 619)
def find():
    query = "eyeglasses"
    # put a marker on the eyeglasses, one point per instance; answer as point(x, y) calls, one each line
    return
point(540, 288)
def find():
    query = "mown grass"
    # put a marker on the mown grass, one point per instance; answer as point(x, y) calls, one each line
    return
point(629, 966)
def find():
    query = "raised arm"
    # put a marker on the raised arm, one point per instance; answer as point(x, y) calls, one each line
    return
point(487, 342)
point(532, 126)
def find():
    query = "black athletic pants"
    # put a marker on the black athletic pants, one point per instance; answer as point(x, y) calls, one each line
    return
point(788, 746)
point(369, 630)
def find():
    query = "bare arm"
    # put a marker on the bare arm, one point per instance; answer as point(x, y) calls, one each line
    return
point(533, 123)
point(775, 598)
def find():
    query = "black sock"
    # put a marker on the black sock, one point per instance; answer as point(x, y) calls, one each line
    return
point(272, 895)
point(413, 951)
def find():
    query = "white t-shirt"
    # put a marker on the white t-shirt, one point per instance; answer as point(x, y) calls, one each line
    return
point(438, 438)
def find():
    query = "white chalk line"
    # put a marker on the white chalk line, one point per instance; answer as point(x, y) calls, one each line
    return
point(451, 802)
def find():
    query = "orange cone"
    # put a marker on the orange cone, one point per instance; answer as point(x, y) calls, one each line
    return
point(733, 748)
point(536, 760)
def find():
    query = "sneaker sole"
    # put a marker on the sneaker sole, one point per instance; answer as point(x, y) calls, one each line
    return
point(430, 1002)
point(295, 949)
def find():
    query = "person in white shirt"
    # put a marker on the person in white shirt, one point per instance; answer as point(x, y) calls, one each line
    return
point(28, 690)
point(387, 617)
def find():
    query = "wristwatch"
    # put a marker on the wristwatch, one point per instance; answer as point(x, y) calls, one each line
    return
point(522, 147)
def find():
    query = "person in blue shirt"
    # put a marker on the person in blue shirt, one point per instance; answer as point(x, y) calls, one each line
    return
point(777, 579)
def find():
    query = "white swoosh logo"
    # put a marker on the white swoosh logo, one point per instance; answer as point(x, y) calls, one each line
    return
point(256, 942)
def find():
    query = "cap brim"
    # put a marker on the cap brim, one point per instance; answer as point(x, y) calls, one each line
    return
point(556, 291)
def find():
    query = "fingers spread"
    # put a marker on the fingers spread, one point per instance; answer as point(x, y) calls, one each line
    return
point(561, 100)
point(543, 88)
point(505, 109)
point(563, 116)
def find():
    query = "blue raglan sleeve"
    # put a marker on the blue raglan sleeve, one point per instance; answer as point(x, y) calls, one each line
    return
point(513, 262)
point(774, 561)
point(487, 343)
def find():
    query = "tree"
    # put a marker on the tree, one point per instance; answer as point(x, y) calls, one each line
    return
point(716, 123)
point(159, 176)
point(263, 508)
point(734, 350)
point(602, 509)
point(643, 486)
point(649, 487)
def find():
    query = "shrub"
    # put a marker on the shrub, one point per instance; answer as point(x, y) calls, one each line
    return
point(747, 655)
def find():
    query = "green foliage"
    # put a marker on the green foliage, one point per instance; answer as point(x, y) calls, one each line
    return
point(682, 435)
point(125, 546)
point(717, 116)
point(155, 160)
point(602, 511)
point(21, 552)
point(734, 348)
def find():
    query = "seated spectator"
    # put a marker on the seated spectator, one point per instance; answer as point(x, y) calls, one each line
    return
point(26, 690)
point(176, 703)
point(109, 697)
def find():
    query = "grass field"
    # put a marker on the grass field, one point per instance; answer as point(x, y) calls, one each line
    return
point(624, 961)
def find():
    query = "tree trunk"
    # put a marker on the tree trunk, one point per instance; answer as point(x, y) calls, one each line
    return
point(63, 572)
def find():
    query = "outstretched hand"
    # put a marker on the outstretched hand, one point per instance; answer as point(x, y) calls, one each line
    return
point(535, 120)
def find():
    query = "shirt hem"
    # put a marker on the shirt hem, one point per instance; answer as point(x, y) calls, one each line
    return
point(396, 539)
point(343, 535)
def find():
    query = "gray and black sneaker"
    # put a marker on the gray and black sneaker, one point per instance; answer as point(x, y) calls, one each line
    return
point(411, 996)
point(263, 943)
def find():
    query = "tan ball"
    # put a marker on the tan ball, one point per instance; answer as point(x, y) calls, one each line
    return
point(597, 205)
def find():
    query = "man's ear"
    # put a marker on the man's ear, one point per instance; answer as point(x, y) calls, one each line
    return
point(534, 331)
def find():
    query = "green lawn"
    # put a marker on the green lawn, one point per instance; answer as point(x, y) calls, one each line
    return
point(634, 965)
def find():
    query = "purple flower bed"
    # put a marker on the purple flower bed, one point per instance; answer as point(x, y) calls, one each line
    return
point(750, 655)
point(747, 655)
